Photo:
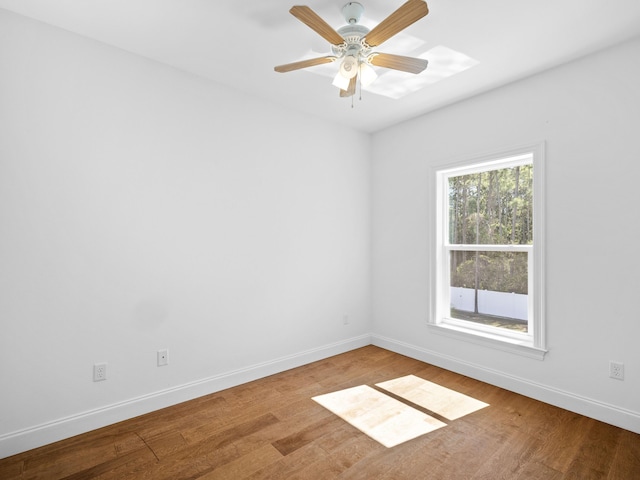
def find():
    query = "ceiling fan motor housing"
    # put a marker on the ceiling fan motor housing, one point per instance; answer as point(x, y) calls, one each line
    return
point(353, 42)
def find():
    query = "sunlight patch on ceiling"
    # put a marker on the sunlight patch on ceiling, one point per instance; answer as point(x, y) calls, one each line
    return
point(443, 63)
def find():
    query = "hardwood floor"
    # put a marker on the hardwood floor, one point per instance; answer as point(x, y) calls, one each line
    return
point(271, 429)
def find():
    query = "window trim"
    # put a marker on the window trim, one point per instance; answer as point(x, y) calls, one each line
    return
point(534, 345)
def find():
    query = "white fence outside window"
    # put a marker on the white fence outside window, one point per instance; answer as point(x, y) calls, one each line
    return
point(501, 304)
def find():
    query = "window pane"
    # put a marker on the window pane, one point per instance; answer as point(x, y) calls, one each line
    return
point(490, 288)
point(492, 207)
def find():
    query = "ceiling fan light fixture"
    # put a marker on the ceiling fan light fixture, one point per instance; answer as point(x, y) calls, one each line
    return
point(341, 81)
point(349, 67)
point(367, 74)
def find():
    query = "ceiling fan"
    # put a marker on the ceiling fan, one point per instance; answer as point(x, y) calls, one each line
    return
point(353, 44)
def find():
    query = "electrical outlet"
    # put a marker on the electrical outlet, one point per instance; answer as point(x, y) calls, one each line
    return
point(163, 358)
point(616, 370)
point(345, 320)
point(99, 372)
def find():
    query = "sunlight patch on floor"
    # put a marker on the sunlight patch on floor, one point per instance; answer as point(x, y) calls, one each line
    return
point(385, 419)
point(433, 397)
point(390, 421)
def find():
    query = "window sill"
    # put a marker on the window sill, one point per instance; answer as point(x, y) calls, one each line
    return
point(497, 342)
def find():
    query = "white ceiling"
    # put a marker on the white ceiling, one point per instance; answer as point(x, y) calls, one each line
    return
point(237, 43)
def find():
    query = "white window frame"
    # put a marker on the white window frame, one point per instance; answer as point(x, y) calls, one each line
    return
point(532, 343)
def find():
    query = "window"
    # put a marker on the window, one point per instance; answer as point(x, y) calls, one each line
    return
point(487, 250)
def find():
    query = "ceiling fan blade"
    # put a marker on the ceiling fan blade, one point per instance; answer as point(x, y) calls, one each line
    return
point(303, 64)
point(351, 90)
point(316, 23)
point(398, 62)
point(407, 14)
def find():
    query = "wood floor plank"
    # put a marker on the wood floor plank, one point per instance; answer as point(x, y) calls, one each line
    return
point(112, 467)
point(346, 447)
point(189, 463)
point(64, 463)
point(309, 434)
point(509, 460)
point(537, 471)
point(292, 465)
point(561, 445)
point(626, 463)
point(203, 457)
point(272, 429)
point(596, 452)
point(167, 444)
point(282, 430)
point(245, 465)
point(413, 460)
point(10, 470)
point(466, 449)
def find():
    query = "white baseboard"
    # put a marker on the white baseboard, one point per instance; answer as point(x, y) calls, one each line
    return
point(627, 419)
point(39, 435)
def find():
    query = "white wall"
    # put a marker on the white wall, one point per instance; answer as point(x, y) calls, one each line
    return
point(587, 113)
point(141, 209)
